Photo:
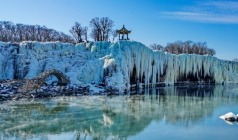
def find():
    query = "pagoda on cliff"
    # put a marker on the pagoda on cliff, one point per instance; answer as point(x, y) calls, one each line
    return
point(123, 33)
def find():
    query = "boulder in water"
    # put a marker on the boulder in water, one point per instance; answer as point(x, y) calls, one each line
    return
point(229, 117)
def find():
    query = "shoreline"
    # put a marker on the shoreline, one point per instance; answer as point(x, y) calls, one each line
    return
point(9, 90)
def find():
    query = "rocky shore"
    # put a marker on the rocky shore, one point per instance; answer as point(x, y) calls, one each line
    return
point(9, 90)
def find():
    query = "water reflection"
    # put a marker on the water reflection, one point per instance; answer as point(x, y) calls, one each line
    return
point(118, 117)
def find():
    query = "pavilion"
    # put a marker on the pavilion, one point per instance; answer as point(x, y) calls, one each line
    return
point(122, 32)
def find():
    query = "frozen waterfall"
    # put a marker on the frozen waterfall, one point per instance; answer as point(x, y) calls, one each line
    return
point(119, 64)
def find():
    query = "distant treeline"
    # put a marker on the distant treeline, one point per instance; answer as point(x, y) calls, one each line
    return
point(101, 30)
point(10, 32)
point(187, 47)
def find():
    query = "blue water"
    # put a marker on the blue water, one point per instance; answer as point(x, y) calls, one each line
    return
point(160, 113)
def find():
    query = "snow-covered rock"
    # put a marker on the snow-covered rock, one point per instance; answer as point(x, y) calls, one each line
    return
point(118, 65)
point(229, 117)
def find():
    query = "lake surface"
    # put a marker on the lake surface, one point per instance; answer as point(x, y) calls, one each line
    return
point(160, 113)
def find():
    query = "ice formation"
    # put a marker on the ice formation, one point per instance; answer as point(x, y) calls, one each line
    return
point(120, 64)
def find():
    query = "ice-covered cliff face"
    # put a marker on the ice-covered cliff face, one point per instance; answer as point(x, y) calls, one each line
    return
point(81, 62)
point(135, 63)
point(119, 64)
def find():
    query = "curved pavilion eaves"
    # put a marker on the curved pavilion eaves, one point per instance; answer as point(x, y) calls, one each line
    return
point(123, 31)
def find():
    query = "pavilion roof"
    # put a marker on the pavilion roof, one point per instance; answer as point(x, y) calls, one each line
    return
point(123, 30)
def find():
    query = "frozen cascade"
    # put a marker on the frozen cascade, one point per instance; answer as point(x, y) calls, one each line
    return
point(7, 60)
point(139, 64)
point(120, 65)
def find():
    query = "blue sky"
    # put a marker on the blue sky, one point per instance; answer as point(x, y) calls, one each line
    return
point(151, 21)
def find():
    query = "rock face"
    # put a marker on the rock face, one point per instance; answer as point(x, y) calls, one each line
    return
point(120, 65)
point(19, 89)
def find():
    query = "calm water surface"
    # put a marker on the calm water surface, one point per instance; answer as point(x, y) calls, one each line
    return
point(163, 113)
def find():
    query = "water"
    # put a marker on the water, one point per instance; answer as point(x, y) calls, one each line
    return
point(162, 113)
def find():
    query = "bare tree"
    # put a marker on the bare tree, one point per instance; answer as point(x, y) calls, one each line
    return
point(114, 35)
point(85, 33)
point(77, 32)
point(94, 34)
point(96, 29)
point(211, 52)
point(156, 46)
point(101, 28)
point(106, 25)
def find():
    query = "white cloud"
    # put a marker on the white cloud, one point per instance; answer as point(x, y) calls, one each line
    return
point(212, 12)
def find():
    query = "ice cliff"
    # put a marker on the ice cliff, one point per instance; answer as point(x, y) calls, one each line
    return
point(119, 64)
